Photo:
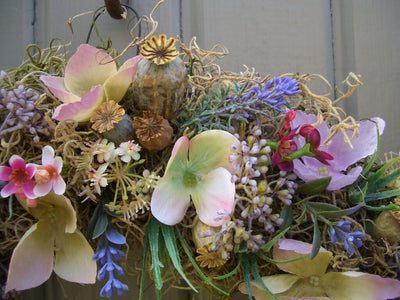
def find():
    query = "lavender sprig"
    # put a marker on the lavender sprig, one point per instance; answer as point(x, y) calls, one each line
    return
point(106, 253)
point(341, 232)
point(22, 112)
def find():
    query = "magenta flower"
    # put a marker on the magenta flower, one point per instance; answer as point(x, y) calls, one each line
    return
point(19, 176)
point(198, 170)
point(91, 77)
point(308, 279)
point(48, 175)
point(285, 147)
point(365, 144)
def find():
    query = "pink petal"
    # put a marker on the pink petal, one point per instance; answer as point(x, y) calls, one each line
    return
point(214, 197)
point(211, 149)
point(27, 188)
point(32, 260)
point(59, 185)
point(80, 111)
point(286, 249)
point(363, 145)
point(17, 162)
point(87, 68)
point(309, 170)
point(57, 164)
point(170, 201)
point(5, 173)
point(42, 189)
point(359, 286)
point(57, 87)
point(30, 169)
point(47, 155)
point(74, 258)
point(9, 189)
point(180, 151)
point(116, 86)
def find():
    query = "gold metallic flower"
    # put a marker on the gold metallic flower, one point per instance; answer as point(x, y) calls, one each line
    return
point(159, 51)
point(106, 115)
point(210, 259)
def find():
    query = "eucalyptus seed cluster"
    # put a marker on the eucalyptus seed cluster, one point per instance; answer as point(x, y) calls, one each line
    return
point(22, 112)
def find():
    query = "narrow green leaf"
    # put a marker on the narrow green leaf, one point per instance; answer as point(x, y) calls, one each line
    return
point(384, 181)
point(194, 264)
point(245, 266)
point(153, 235)
point(231, 273)
point(10, 210)
point(314, 187)
point(316, 239)
point(271, 242)
point(93, 221)
point(287, 216)
point(329, 210)
point(372, 179)
point(170, 244)
point(270, 260)
point(303, 213)
point(382, 195)
point(356, 195)
point(100, 227)
point(390, 206)
point(144, 266)
point(257, 277)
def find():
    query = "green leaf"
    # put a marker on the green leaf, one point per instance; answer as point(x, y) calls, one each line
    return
point(314, 187)
point(93, 221)
point(382, 195)
point(144, 266)
point(390, 206)
point(245, 266)
point(270, 260)
point(194, 264)
point(329, 210)
point(316, 239)
point(374, 157)
point(357, 196)
point(272, 242)
point(170, 244)
point(101, 226)
point(384, 181)
point(231, 273)
point(257, 277)
point(303, 213)
point(153, 236)
point(372, 179)
point(287, 216)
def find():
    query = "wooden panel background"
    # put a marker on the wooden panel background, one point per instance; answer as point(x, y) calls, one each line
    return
point(329, 37)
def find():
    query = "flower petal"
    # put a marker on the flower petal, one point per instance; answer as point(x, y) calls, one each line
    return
point(9, 189)
point(61, 208)
point(73, 260)
point(59, 185)
point(42, 189)
point(359, 286)
point(275, 283)
point(5, 173)
point(170, 201)
point(17, 162)
point(57, 88)
point(211, 149)
point(32, 259)
point(87, 68)
point(116, 86)
point(286, 249)
point(27, 188)
point(214, 197)
point(47, 155)
point(179, 157)
point(364, 144)
point(311, 169)
point(80, 111)
point(30, 169)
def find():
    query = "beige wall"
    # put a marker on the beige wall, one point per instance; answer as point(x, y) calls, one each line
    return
point(331, 38)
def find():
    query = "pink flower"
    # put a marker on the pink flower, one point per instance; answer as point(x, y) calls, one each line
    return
point(365, 144)
point(48, 175)
point(285, 147)
point(97, 178)
point(19, 175)
point(308, 279)
point(198, 170)
point(91, 77)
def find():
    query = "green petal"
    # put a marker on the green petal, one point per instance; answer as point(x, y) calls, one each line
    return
point(74, 258)
point(210, 150)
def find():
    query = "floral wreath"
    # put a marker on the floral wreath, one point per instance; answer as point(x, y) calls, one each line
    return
point(224, 177)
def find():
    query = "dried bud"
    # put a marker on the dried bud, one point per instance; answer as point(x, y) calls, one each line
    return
point(153, 131)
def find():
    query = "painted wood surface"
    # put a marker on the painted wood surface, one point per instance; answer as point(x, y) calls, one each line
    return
point(329, 37)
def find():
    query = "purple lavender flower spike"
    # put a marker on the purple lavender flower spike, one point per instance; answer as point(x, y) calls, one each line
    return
point(341, 232)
